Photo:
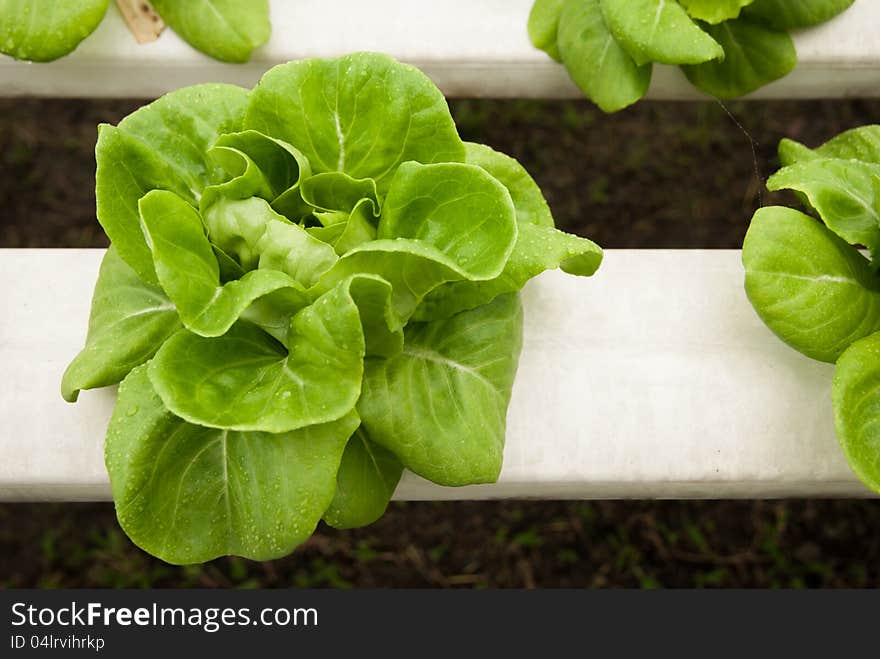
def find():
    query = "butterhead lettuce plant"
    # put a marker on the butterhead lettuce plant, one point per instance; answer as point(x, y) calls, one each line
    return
point(726, 48)
point(311, 286)
point(44, 30)
point(811, 284)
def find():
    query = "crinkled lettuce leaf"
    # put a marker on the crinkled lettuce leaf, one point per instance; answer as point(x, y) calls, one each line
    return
point(189, 493)
point(189, 272)
point(129, 322)
point(248, 380)
point(163, 146)
point(361, 114)
point(441, 404)
point(539, 246)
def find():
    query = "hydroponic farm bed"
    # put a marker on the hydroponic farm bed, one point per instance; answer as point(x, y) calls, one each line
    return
point(654, 378)
point(468, 48)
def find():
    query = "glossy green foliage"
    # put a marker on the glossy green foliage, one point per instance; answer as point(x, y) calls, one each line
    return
point(188, 493)
point(189, 272)
point(148, 151)
point(459, 209)
point(129, 322)
point(302, 297)
point(466, 362)
point(227, 30)
point(714, 11)
point(814, 290)
point(44, 30)
point(368, 476)
point(597, 63)
point(658, 31)
point(360, 115)
point(538, 247)
point(543, 26)
point(861, 143)
point(727, 48)
point(788, 14)
point(856, 396)
point(754, 55)
point(844, 192)
point(810, 283)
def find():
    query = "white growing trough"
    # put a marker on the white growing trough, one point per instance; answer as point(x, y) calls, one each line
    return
point(652, 379)
point(468, 47)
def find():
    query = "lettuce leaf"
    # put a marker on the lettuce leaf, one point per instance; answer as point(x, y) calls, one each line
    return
point(44, 30)
point(227, 30)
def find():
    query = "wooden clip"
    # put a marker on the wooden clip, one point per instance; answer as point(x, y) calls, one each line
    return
point(143, 21)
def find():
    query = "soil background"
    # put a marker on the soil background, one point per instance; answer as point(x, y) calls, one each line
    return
point(682, 175)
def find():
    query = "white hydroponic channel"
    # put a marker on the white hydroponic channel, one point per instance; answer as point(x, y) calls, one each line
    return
point(654, 378)
point(468, 47)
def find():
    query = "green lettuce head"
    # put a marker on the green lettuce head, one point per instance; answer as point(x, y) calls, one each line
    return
point(311, 286)
point(726, 48)
point(811, 282)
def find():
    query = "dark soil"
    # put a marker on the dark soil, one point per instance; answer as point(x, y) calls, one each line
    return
point(656, 175)
point(501, 544)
